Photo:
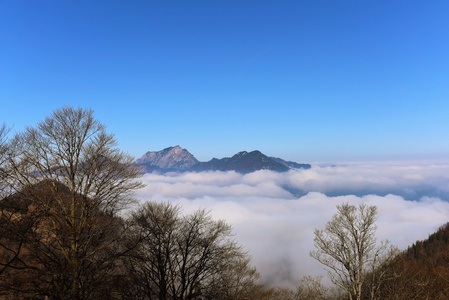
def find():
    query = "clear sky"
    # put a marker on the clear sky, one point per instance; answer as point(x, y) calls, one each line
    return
point(303, 80)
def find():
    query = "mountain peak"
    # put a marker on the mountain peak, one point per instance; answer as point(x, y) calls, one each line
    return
point(169, 158)
point(176, 148)
point(241, 153)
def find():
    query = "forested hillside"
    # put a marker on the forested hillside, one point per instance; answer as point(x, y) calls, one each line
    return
point(422, 271)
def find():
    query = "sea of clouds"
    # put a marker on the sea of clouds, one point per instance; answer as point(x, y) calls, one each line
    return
point(274, 214)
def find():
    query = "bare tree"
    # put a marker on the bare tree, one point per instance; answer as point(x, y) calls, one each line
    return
point(71, 169)
point(383, 269)
point(187, 257)
point(347, 247)
point(11, 232)
point(236, 280)
point(279, 293)
point(151, 265)
point(4, 130)
point(4, 150)
point(311, 288)
point(204, 244)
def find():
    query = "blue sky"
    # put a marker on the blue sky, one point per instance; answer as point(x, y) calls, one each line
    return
point(303, 80)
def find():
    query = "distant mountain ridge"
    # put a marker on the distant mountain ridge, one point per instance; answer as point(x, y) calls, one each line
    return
point(242, 162)
point(180, 160)
point(291, 164)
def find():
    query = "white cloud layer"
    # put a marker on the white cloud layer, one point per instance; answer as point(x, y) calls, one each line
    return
point(274, 214)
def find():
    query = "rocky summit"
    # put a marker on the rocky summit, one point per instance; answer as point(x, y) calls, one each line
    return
point(172, 158)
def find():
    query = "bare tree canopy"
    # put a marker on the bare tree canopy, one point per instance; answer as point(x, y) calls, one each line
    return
point(3, 141)
point(188, 257)
point(347, 247)
point(4, 147)
point(69, 169)
point(73, 148)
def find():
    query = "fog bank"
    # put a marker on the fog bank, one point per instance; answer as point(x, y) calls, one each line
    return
point(274, 214)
